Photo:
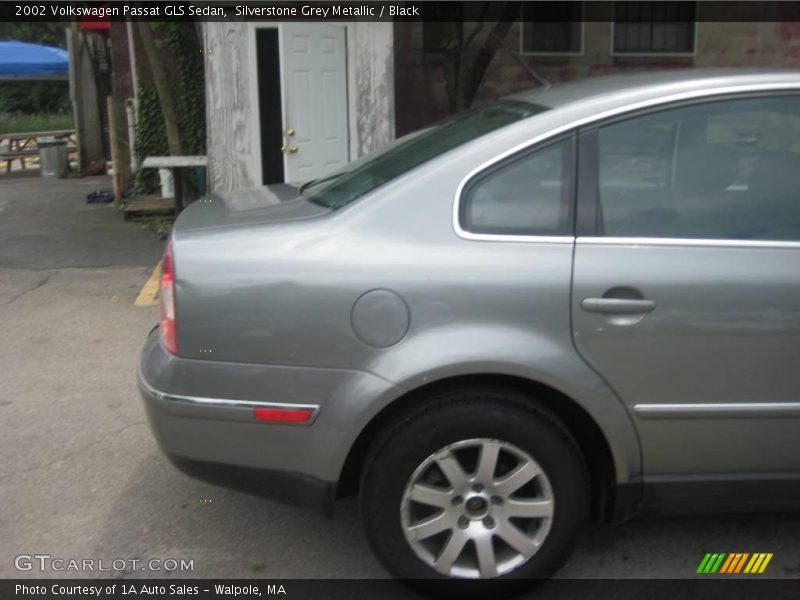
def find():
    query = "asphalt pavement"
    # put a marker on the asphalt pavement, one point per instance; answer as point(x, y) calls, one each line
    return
point(81, 477)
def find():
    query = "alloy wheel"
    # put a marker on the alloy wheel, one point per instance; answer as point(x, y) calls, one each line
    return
point(477, 508)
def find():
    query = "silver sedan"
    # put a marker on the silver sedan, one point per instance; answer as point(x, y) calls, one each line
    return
point(577, 303)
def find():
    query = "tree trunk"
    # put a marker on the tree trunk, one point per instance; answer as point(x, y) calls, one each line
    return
point(477, 71)
point(452, 65)
point(162, 87)
point(464, 65)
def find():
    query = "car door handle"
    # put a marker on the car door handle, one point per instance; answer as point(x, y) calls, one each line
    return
point(617, 306)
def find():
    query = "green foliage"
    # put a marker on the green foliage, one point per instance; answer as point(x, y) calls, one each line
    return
point(161, 225)
point(49, 34)
point(32, 97)
point(20, 123)
point(180, 50)
point(182, 42)
point(192, 103)
point(35, 97)
point(151, 138)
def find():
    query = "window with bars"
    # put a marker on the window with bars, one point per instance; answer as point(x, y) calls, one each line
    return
point(551, 28)
point(654, 27)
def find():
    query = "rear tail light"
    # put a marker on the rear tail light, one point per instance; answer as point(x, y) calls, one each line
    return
point(167, 302)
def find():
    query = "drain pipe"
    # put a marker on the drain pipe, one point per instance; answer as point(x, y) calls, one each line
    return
point(134, 69)
point(132, 104)
point(130, 109)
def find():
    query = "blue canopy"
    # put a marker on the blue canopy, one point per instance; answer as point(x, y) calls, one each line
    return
point(22, 60)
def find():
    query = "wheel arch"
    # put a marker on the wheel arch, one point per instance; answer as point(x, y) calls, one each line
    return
point(590, 438)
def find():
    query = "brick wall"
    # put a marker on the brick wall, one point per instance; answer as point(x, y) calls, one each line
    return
point(420, 87)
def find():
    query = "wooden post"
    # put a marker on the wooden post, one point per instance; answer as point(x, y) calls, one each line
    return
point(75, 90)
point(115, 150)
point(177, 181)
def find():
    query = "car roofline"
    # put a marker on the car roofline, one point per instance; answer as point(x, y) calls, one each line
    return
point(630, 88)
point(583, 121)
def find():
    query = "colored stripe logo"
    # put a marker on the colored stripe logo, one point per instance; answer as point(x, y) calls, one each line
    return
point(734, 563)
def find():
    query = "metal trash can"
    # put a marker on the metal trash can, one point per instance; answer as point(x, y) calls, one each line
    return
point(53, 158)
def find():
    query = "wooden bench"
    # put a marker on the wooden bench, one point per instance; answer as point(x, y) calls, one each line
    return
point(24, 145)
point(20, 155)
point(149, 206)
point(175, 163)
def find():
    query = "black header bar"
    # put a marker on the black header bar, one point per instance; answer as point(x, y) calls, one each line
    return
point(696, 588)
point(472, 11)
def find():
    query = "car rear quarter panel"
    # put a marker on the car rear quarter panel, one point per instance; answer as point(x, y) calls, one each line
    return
point(283, 295)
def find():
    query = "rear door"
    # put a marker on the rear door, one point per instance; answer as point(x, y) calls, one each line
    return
point(686, 286)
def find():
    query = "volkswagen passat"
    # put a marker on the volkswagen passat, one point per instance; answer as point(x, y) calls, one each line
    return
point(571, 305)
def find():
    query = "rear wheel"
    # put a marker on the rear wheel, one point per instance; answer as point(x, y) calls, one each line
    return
point(475, 485)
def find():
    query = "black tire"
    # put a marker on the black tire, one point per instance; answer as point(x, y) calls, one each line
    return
point(446, 418)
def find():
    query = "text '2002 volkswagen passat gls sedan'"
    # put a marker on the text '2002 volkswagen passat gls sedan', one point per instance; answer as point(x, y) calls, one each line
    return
point(573, 304)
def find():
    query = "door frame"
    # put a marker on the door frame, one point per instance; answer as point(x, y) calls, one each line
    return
point(253, 90)
point(673, 490)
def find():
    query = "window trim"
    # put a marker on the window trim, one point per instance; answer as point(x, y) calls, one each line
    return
point(639, 54)
point(590, 240)
point(582, 38)
point(587, 206)
point(490, 170)
point(590, 208)
point(609, 116)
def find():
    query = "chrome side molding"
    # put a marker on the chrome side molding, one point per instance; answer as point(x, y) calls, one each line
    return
point(728, 410)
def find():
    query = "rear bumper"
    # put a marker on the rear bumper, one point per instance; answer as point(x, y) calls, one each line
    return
point(201, 414)
point(290, 488)
point(178, 436)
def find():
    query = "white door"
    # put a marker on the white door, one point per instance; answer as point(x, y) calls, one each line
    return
point(314, 76)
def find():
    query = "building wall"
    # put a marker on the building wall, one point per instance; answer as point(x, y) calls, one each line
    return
point(420, 76)
point(127, 75)
point(232, 138)
point(122, 89)
point(371, 87)
point(88, 102)
point(231, 96)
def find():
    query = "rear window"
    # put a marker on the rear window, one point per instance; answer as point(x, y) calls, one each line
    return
point(366, 174)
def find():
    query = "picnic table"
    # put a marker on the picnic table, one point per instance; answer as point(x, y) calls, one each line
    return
point(19, 146)
point(175, 163)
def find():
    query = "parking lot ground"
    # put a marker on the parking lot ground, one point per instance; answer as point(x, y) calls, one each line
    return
point(81, 477)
